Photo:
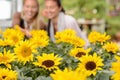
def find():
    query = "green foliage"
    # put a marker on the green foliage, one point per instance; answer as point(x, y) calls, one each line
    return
point(113, 25)
point(92, 8)
point(29, 71)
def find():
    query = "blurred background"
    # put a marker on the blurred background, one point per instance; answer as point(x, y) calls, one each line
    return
point(99, 15)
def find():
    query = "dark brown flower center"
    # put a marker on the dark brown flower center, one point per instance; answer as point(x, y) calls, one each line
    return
point(90, 65)
point(3, 77)
point(48, 63)
point(80, 54)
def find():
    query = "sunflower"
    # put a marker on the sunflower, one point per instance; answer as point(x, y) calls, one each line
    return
point(116, 69)
point(48, 61)
point(69, 36)
point(39, 38)
point(98, 37)
point(67, 32)
point(64, 36)
point(39, 42)
point(6, 58)
point(103, 38)
point(24, 51)
point(90, 64)
point(116, 76)
point(7, 32)
point(15, 35)
point(16, 38)
point(93, 36)
point(111, 47)
point(116, 65)
point(17, 28)
point(79, 52)
point(77, 42)
point(6, 74)
point(39, 33)
point(11, 31)
point(68, 75)
point(6, 42)
point(117, 58)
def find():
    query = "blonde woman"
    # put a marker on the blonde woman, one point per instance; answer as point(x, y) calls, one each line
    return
point(29, 18)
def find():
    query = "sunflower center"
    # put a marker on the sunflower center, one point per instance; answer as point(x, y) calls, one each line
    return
point(90, 65)
point(3, 77)
point(48, 63)
point(4, 59)
point(15, 39)
point(26, 52)
point(111, 48)
point(80, 54)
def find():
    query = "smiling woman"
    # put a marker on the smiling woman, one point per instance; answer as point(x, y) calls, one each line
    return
point(29, 18)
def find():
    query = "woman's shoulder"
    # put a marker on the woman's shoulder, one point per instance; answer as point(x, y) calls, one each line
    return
point(70, 18)
point(17, 15)
point(70, 22)
point(16, 20)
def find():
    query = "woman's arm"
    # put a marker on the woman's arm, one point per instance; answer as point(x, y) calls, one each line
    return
point(16, 19)
point(43, 26)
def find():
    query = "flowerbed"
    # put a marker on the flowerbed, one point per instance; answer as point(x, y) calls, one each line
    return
point(38, 58)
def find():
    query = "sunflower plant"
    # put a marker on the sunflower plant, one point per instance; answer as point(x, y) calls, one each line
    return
point(66, 58)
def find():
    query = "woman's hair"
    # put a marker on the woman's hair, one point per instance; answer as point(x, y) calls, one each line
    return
point(36, 21)
point(48, 29)
point(60, 5)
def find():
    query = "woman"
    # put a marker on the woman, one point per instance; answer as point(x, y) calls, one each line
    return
point(29, 18)
point(58, 20)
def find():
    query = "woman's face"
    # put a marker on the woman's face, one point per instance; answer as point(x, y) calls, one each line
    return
point(30, 9)
point(52, 9)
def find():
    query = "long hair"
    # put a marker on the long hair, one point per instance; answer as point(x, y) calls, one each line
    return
point(59, 4)
point(36, 21)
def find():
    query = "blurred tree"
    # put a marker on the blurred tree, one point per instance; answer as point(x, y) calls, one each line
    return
point(92, 8)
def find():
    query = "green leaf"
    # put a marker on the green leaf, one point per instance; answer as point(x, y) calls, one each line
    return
point(104, 75)
point(43, 78)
